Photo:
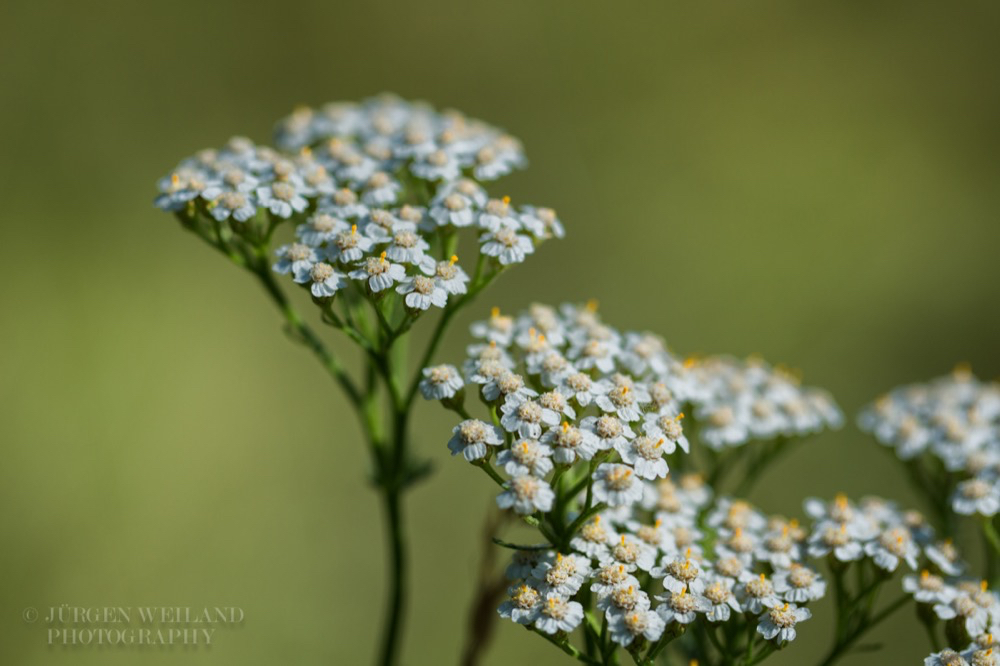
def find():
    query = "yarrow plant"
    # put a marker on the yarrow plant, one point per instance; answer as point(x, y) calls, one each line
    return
point(370, 201)
point(591, 436)
point(626, 462)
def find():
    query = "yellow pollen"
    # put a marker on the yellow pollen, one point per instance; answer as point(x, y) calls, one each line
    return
point(524, 446)
point(925, 574)
point(624, 390)
point(784, 531)
point(306, 151)
point(899, 538)
point(689, 362)
point(453, 260)
point(494, 312)
point(841, 501)
point(592, 305)
point(983, 585)
point(660, 442)
point(687, 554)
point(174, 179)
point(686, 565)
point(552, 602)
point(793, 523)
point(565, 427)
point(763, 578)
point(737, 532)
point(843, 528)
point(493, 344)
point(693, 662)
point(597, 520)
point(532, 332)
point(659, 521)
point(541, 338)
point(684, 590)
point(623, 539)
point(354, 229)
point(506, 201)
point(785, 607)
point(559, 557)
point(679, 416)
point(382, 257)
point(631, 589)
point(621, 568)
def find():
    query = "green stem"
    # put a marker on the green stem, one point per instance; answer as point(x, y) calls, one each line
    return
point(845, 643)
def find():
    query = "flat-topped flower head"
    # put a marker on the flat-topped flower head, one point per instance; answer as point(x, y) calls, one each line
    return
point(978, 495)
point(449, 274)
point(563, 575)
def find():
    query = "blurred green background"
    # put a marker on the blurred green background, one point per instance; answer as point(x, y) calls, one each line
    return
point(816, 182)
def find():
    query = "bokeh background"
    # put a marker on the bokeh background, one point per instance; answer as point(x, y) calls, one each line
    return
point(816, 182)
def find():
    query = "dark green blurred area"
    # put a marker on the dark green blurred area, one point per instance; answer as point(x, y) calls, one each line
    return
point(816, 182)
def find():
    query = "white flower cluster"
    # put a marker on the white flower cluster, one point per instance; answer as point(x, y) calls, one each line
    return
point(374, 186)
point(385, 132)
point(737, 401)
point(954, 419)
point(983, 651)
point(742, 562)
point(581, 420)
point(962, 600)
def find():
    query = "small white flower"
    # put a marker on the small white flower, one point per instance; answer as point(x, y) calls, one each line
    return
point(593, 539)
point(348, 246)
point(976, 495)
point(379, 272)
point(526, 417)
point(526, 494)
point(626, 597)
point(471, 437)
point(558, 614)
point(407, 248)
point(681, 607)
point(293, 258)
point(320, 229)
point(756, 594)
point(422, 292)
point(630, 552)
point(526, 457)
point(282, 198)
point(506, 245)
point(584, 389)
point(322, 279)
point(778, 624)
point(626, 627)
point(498, 214)
point(523, 606)
point(668, 427)
point(616, 485)
point(449, 274)
point(441, 382)
point(928, 588)
point(645, 454)
point(609, 431)
point(891, 547)
point(719, 593)
point(799, 584)
point(570, 443)
point(563, 575)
